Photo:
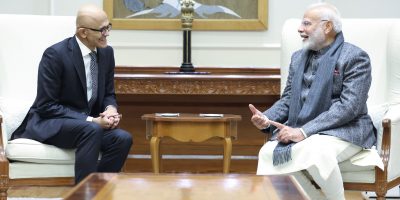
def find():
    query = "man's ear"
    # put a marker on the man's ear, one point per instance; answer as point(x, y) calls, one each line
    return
point(82, 32)
point(328, 27)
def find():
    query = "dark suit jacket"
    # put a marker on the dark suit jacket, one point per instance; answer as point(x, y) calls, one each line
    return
point(62, 91)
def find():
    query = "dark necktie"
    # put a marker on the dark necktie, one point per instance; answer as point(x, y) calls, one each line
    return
point(94, 76)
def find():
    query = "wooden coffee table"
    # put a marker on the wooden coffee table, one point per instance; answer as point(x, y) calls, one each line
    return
point(188, 127)
point(113, 186)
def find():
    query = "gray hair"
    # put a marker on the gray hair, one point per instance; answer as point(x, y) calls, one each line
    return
point(330, 13)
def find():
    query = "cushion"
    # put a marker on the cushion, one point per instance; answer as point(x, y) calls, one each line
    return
point(357, 174)
point(377, 113)
point(34, 170)
point(347, 166)
point(28, 150)
point(359, 177)
point(13, 112)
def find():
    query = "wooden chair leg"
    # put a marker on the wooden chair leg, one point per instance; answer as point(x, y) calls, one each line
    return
point(4, 185)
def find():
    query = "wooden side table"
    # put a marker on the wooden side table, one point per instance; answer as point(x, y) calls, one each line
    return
point(190, 127)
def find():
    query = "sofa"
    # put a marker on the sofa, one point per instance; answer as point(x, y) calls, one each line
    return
point(22, 161)
point(380, 38)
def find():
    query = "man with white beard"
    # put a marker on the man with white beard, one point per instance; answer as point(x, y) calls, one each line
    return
point(321, 118)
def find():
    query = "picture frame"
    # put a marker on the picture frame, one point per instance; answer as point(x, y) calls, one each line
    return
point(118, 11)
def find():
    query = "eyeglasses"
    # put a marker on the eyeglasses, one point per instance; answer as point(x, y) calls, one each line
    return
point(102, 30)
point(308, 23)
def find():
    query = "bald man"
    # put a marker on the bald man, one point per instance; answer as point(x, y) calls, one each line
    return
point(321, 118)
point(75, 105)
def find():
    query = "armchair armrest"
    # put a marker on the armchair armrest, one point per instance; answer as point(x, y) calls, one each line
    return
point(386, 142)
point(1, 132)
point(391, 132)
point(3, 165)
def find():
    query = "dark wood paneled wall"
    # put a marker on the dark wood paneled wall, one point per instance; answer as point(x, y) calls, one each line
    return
point(142, 90)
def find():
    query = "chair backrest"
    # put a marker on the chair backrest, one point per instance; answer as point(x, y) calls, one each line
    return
point(375, 36)
point(393, 88)
point(393, 62)
point(23, 41)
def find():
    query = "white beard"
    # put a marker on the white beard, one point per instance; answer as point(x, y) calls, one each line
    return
point(315, 40)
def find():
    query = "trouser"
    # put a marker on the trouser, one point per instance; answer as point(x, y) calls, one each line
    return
point(90, 139)
point(319, 155)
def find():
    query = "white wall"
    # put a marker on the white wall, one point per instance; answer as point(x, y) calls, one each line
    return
point(41, 7)
point(209, 48)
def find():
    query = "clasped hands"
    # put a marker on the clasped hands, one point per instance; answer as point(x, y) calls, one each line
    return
point(286, 134)
point(109, 119)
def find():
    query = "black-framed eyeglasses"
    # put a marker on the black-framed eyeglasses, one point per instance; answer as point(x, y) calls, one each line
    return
point(102, 30)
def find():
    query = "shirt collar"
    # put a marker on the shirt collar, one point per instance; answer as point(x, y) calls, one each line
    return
point(322, 51)
point(84, 49)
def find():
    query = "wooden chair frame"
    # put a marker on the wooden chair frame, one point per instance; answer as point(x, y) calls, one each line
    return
point(381, 185)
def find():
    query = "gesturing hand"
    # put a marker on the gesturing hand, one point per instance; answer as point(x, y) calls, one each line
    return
point(287, 133)
point(259, 119)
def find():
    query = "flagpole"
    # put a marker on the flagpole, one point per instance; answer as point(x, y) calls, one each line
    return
point(187, 21)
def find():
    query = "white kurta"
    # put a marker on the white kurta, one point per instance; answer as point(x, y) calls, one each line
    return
point(322, 151)
point(320, 155)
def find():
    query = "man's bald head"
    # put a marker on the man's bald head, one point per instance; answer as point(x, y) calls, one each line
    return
point(90, 15)
point(92, 26)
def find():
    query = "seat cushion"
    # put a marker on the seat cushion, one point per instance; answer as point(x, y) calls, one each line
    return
point(13, 112)
point(28, 150)
point(357, 174)
point(35, 170)
point(359, 177)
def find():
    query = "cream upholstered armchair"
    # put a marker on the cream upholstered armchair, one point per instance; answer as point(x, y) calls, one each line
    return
point(380, 38)
point(22, 161)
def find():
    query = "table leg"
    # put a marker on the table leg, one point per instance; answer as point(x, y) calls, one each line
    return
point(155, 154)
point(227, 154)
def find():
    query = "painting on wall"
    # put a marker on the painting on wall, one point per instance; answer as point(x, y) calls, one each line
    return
point(208, 14)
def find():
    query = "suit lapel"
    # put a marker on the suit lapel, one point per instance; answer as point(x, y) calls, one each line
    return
point(76, 57)
point(101, 76)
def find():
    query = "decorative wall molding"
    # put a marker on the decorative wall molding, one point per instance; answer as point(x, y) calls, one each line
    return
point(190, 86)
point(220, 81)
point(130, 45)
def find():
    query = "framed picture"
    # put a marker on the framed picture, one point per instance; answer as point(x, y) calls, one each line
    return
point(208, 14)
